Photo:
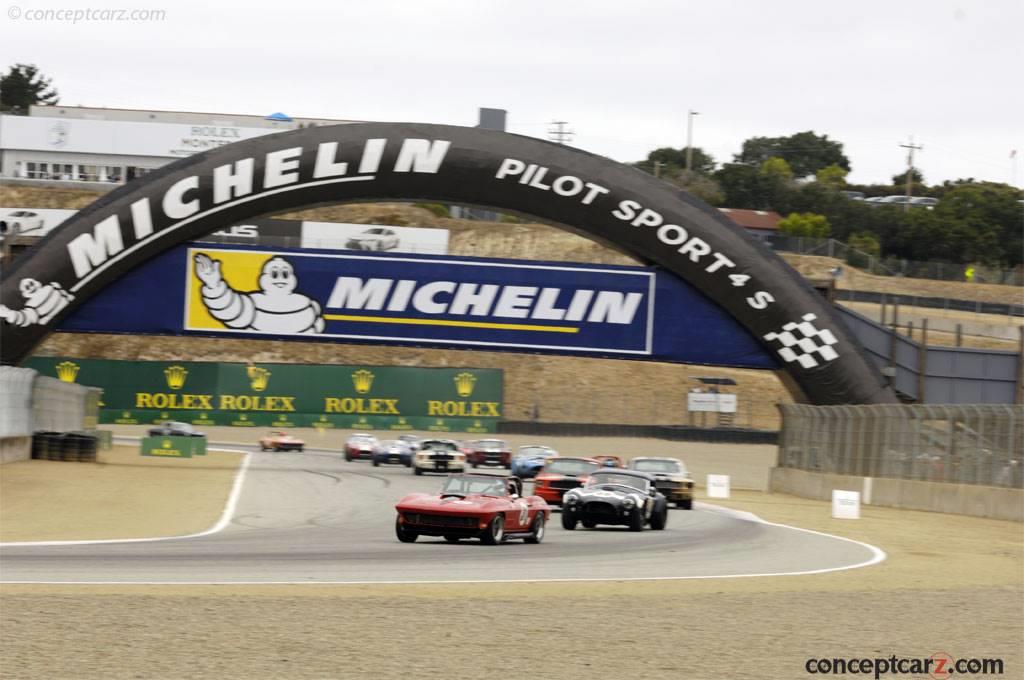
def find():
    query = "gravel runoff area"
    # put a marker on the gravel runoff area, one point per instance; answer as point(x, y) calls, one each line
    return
point(951, 584)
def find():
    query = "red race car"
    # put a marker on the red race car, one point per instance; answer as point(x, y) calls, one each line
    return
point(490, 508)
point(561, 474)
point(488, 452)
point(280, 441)
point(361, 445)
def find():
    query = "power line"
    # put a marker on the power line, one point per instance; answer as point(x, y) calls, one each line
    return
point(558, 132)
point(911, 148)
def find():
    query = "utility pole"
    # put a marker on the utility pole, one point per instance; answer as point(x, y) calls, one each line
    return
point(689, 139)
point(558, 133)
point(911, 148)
point(657, 168)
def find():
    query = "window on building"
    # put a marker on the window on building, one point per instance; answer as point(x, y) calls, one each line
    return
point(89, 173)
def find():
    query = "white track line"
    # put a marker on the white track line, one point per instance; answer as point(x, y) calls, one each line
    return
point(225, 517)
point(877, 555)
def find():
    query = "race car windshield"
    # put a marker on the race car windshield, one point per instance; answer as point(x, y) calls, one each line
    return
point(463, 486)
point(571, 467)
point(604, 478)
point(361, 440)
point(491, 444)
point(657, 466)
point(534, 451)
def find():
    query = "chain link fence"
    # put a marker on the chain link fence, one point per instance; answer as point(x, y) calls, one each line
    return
point(894, 266)
point(962, 444)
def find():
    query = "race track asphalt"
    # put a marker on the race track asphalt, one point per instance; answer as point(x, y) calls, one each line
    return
point(312, 517)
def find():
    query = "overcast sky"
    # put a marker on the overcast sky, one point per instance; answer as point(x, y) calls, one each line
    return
point(869, 74)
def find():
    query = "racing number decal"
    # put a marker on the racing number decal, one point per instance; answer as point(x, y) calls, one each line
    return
point(524, 512)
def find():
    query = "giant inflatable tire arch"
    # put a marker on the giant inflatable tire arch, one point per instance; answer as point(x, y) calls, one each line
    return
point(594, 196)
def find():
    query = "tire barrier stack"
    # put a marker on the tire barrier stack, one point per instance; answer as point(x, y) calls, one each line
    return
point(65, 446)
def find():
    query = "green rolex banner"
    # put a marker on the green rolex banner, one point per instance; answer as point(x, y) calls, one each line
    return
point(288, 395)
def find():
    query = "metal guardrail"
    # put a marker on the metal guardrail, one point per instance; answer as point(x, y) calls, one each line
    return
point(975, 306)
point(961, 444)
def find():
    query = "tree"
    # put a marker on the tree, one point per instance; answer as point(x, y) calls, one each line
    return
point(991, 214)
point(832, 176)
point(743, 187)
point(23, 86)
point(805, 152)
point(671, 162)
point(901, 179)
point(865, 242)
point(805, 224)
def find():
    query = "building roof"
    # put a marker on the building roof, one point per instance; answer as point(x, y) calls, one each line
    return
point(754, 219)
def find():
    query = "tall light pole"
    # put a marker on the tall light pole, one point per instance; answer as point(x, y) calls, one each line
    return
point(689, 139)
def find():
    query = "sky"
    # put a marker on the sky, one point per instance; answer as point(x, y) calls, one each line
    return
point(872, 75)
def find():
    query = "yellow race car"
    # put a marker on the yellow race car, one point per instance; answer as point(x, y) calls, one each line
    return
point(670, 478)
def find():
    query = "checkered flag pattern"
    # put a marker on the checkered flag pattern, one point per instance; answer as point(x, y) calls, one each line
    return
point(804, 343)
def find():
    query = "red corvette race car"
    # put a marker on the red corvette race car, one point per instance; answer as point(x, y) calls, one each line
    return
point(280, 441)
point(473, 506)
point(561, 474)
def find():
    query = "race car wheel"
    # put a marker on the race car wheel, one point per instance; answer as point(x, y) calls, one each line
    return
point(301, 449)
point(403, 534)
point(376, 463)
point(417, 471)
point(686, 504)
point(348, 458)
point(659, 519)
point(536, 529)
point(568, 520)
point(589, 524)
point(262, 447)
point(452, 539)
point(636, 520)
point(474, 465)
point(495, 531)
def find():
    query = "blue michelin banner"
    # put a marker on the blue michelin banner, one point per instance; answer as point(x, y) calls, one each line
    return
point(596, 310)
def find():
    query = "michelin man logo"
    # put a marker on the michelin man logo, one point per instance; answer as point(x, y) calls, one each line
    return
point(275, 308)
point(42, 303)
point(801, 341)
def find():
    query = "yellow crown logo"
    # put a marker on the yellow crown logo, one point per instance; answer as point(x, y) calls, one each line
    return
point(175, 376)
point(362, 380)
point(166, 444)
point(258, 377)
point(67, 371)
point(464, 383)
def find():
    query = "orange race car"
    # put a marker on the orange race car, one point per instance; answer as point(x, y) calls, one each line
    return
point(280, 441)
point(561, 474)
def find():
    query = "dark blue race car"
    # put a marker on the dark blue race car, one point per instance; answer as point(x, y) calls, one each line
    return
point(395, 451)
